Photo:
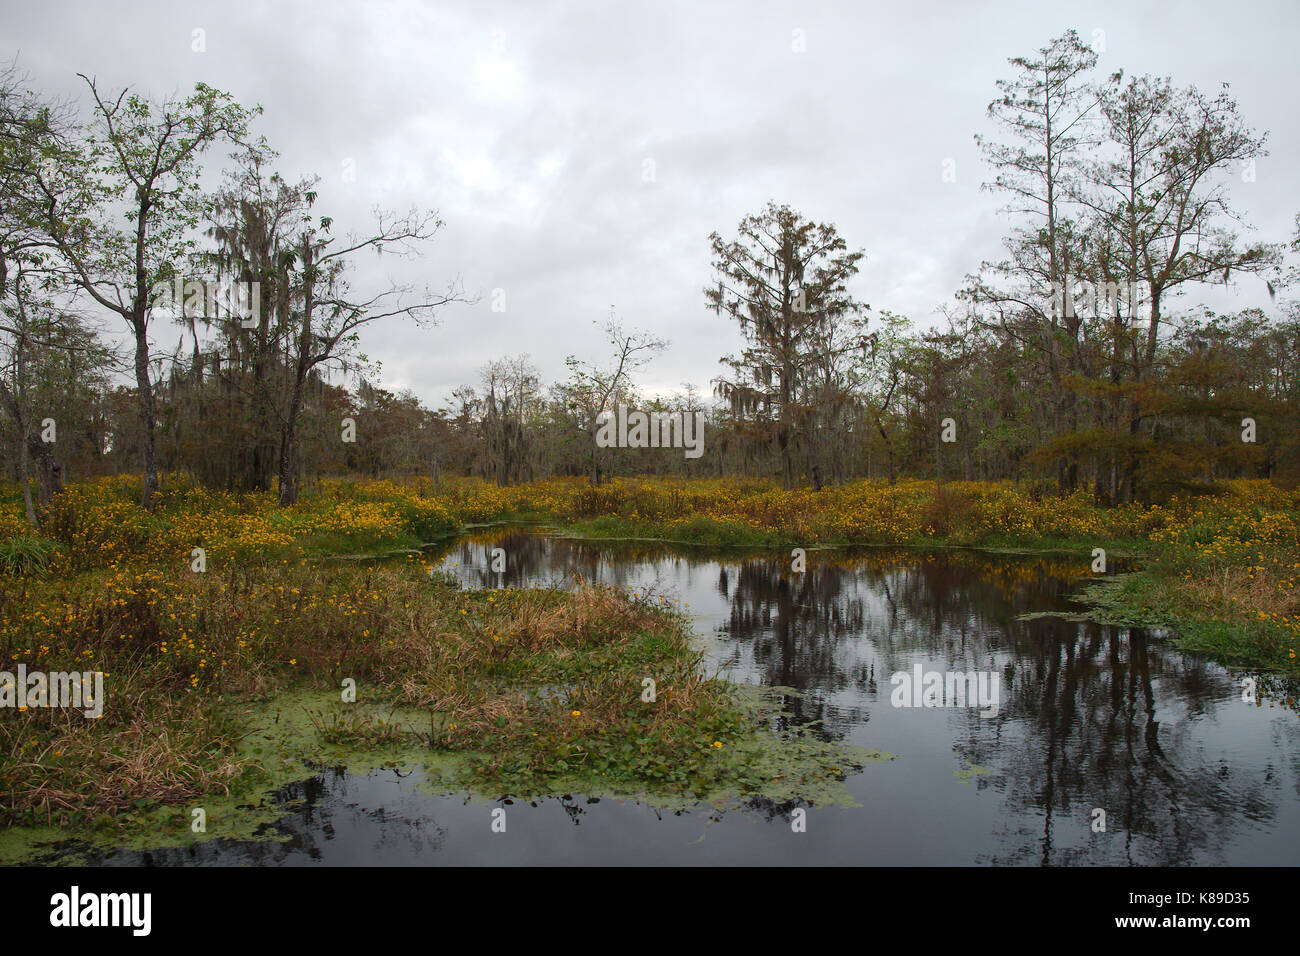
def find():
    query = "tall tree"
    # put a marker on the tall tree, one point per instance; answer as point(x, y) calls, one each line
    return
point(327, 319)
point(1045, 110)
point(510, 395)
point(784, 280)
point(308, 322)
point(1162, 221)
point(253, 223)
point(121, 205)
point(47, 354)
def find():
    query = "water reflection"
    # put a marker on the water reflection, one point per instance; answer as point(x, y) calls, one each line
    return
point(1091, 718)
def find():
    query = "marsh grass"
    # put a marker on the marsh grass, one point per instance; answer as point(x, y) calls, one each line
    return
point(529, 686)
point(1239, 615)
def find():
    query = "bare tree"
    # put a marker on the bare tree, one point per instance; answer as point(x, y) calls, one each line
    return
point(595, 389)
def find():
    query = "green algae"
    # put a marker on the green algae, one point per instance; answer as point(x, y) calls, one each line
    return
point(971, 771)
point(1069, 616)
point(282, 744)
point(288, 739)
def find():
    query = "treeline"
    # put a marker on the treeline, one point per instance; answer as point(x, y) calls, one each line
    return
point(1066, 362)
point(512, 429)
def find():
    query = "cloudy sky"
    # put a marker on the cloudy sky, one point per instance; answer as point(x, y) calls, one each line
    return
point(581, 153)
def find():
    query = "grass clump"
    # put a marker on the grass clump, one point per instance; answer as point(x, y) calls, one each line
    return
point(26, 554)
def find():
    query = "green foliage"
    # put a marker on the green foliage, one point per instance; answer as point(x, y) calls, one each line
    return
point(26, 555)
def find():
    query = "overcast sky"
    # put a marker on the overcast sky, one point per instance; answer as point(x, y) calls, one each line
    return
point(530, 128)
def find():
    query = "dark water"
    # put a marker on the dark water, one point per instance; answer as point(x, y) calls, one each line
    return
point(1090, 716)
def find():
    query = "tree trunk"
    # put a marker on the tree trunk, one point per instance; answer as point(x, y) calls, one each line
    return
point(148, 456)
point(288, 450)
point(24, 477)
point(49, 473)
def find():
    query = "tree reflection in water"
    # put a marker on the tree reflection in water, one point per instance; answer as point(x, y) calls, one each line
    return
point(1091, 716)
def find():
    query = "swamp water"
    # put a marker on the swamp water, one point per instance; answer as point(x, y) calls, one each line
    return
point(1089, 716)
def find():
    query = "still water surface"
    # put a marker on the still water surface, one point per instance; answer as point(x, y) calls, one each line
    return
point(1091, 716)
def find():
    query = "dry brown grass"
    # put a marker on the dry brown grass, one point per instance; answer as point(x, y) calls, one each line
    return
point(181, 650)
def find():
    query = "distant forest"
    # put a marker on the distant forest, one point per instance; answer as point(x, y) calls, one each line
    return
point(1079, 359)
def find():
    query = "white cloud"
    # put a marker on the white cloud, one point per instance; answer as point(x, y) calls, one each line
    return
point(526, 126)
